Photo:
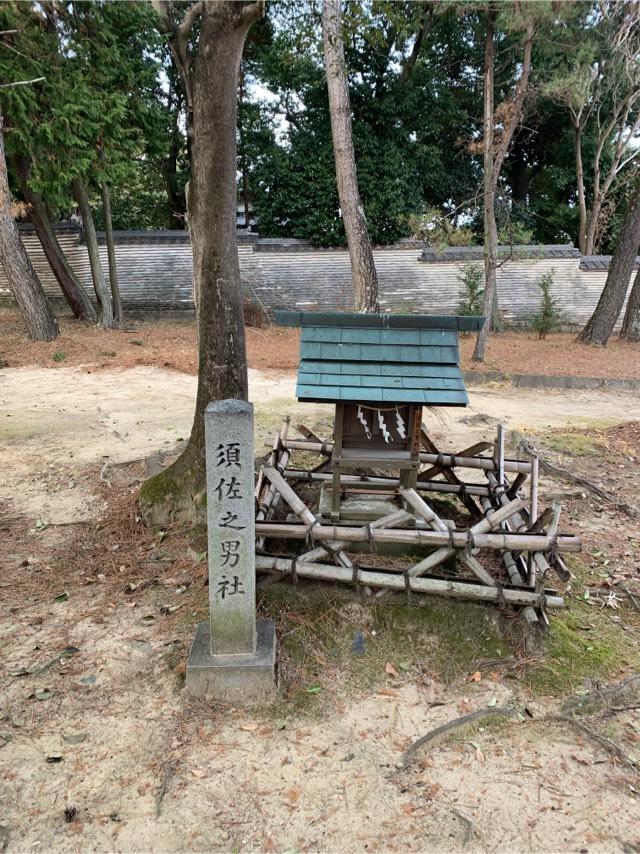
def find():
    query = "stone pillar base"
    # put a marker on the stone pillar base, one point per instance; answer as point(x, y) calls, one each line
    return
point(237, 679)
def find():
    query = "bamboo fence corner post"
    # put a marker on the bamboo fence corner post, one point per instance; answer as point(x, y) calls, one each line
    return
point(533, 514)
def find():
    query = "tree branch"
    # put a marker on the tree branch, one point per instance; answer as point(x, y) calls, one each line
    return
point(21, 83)
point(409, 63)
point(252, 13)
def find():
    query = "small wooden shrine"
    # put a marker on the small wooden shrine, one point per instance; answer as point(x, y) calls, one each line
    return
point(467, 524)
point(379, 370)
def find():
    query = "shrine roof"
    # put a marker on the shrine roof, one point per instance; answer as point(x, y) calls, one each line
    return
point(380, 358)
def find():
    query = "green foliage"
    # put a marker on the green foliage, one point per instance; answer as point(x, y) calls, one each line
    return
point(548, 317)
point(472, 278)
point(514, 233)
point(111, 107)
point(437, 230)
point(59, 356)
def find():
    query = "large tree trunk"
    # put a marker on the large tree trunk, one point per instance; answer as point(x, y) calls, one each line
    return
point(600, 325)
point(222, 366)
point(363, 270)
point(489, 306)
point(103, 297)
point(75, 295)
point(631, 324)
point(24, 284)
point(111, 254)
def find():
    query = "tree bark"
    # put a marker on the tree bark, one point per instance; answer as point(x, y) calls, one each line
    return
point(25, 286)
point(75, 295)
point(103, 297)
point(592, 225)
point(242, 153)
point(116, 302)
point(363, 270)
point(490, 228)
point(582, 202)
point(600, 325)
point(222, 364)
point(631, 324)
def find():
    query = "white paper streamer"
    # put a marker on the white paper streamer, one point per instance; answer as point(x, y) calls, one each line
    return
point(362, 419)
point(402, 431)
point(385, 433)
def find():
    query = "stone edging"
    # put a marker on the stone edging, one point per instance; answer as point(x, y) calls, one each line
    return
point(541, 381)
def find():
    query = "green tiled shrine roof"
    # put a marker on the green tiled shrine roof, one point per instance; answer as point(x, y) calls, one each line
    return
point(374, 358)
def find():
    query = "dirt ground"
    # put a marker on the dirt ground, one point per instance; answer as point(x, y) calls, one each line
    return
point(100, 750)
point(171, 344)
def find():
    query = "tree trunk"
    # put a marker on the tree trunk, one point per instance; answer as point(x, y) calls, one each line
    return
point(75, 295)
point(222, 366)
point(24, 284)
point(363, 270)
point(600, 325)
point(242, 155)
point(490, 228)
point(631, 324)
point(111, 254)
point(582, 202)
point(592, 226)
point(103, 297)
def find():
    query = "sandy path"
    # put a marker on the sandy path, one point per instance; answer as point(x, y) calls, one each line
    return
point(51, 421)
point(242, 783)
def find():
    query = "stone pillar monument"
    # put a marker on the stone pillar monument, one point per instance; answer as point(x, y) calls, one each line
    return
point(232, 658)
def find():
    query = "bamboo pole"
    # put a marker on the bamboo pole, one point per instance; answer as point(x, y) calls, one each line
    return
point(423, 510)
point(491, 520)
point(500, 454)
point(448, 460)
point(533, 515)
point(478, 448)
point(301, 510)
point(272, 497)
point(389, 521)
point(380, 482)
point(519, 520)
point(449, 475)
point(435, 586)
point(412, 536)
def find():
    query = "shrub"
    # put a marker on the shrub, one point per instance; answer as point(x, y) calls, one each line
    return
point(472, 278)
point(515, 233)
point(549, 316)
point(59, 356)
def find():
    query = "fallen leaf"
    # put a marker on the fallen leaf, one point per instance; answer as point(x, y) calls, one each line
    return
point(390, 670)
point(389, 692)
point(197, 772)
point(61, 597)
point(492, 702)
point(293, 794)
point(475, 677)
point(249, 727)
point(313, 689)
point(18, 671)
point(52, 758)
